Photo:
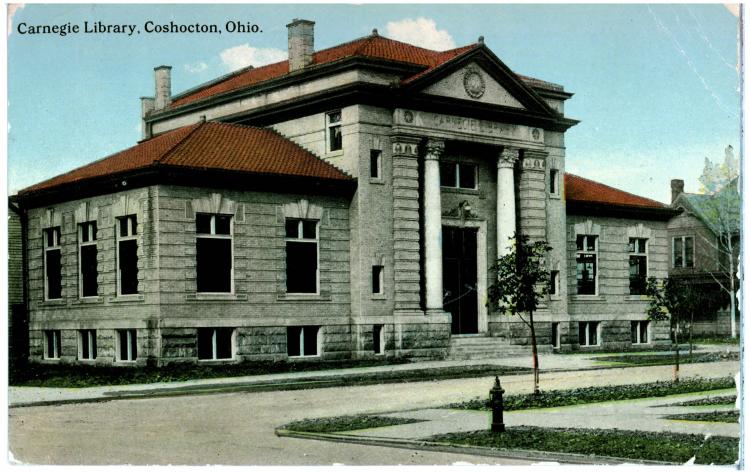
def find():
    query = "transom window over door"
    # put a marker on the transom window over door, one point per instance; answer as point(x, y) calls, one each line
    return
point(586, 262)
point(213, 253)
point(458, 176)
point(301, 256)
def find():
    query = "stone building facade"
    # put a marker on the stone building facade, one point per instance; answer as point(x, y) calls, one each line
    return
point(346, 203)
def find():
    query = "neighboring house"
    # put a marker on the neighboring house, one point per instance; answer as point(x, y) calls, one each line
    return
point(18, 327)
point(700, 251)
point(346, 203)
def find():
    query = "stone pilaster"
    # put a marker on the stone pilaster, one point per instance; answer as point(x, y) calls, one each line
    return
point(506, 200)
point(433, 265)
point(406, 238)
point(532, 195)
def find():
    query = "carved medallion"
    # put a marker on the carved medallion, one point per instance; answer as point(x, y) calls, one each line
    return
point(535, 133)
point(474, 83)
point(408, 116)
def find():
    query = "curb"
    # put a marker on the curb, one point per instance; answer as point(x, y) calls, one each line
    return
point(531, 455)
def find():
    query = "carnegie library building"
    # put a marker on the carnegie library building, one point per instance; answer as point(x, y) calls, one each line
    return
point(344, 203)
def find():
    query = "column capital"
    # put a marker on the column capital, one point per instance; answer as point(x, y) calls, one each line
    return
point(534, 160)
point(405, 145)
point(507, 157)
point(434, 148)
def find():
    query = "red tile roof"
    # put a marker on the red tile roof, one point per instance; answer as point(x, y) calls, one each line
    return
point(579, 189)
point(210, 146)
point(372, 46)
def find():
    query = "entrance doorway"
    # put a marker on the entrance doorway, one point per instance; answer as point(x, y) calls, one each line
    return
point(460, 278)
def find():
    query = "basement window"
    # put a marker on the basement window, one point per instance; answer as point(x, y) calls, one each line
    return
point(126, 345)
point(333, 131)
point(378, 339)
point(639, 332)
point(301, 256)
point(87, 344)
point(52, 264)
point(51, 344)
point(127, 255)
point(215, 343)
point(588, 334)
point(213, 253)
point(303, 341)
point(87, 266)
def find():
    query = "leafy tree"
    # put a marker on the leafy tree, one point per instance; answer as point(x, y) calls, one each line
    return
point(721, 209)
point(522, 282)
point(677, 301)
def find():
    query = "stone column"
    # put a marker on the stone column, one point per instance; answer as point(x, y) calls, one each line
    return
point(506, 199)
point(433, 242)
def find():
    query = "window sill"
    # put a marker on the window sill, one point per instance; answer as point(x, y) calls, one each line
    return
point(333, 154)
point(125, 363)
point(377, 180)
point(459, 190)
point(554, 196)
point(89, 300)
point(206, 296)
point(303, 297)
point(590, 346)
point(555, 298)
point(53, 302)
point(379, 297)
point(637, 297)
point(303, 357)
point(51, 361)
point(587, 298)
point(127, 298)
point(218, 361)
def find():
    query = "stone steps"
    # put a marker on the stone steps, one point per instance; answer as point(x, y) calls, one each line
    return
point(483, 347)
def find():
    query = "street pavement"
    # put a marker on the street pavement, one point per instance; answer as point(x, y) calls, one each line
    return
point(238, 428)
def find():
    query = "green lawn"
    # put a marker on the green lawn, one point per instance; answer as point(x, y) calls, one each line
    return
point(731, 417)
point(632, 359)
point(656, 446)
point(587, 395)
point(345, 423)
point(709, 401)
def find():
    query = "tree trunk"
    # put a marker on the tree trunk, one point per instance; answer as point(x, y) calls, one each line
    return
point(676, 373)
point(690, 338)
point(534, 355)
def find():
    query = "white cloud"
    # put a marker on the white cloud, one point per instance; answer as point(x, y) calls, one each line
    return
point(196, 67)
point(420, 32)
point(12, 9)
point(245, 55)
point(734, 8)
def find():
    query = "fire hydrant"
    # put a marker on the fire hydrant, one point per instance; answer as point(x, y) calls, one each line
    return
point(496, 401)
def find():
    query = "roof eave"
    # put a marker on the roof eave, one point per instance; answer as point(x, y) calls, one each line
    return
point(605, 209)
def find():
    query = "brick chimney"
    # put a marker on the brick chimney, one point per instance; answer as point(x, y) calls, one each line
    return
point(678, 187)
point(301, 43)
point(163, 78)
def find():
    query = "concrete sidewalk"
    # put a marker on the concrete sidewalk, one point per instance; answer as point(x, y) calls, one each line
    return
point(550, 363)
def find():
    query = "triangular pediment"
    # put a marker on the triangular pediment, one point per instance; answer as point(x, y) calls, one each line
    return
point(481, 77)
point(472, 82)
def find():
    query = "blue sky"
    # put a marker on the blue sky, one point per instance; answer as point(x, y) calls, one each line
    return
point(656, 87)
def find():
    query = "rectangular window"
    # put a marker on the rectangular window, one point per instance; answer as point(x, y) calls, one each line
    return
point(87, 251)
point(588, 333)
point(586, 259)
point(375, 163)
point(126, 345)
point(127, 255)
point(52, 264)
point(301, 256)
point(554, 283)
point(637, 247)
point(333, 131)
point(377, 280)
point(378, 339)
point(458, 176)
point(683, 252)
point(87, 344)
point(302, 341)
point(215, 343)
point(52, 344)
point(553, 181)
point(555, 335)
point(639, 331)
point(213, 253)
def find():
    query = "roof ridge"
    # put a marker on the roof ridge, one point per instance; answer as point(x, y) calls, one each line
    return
point(196, 126)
